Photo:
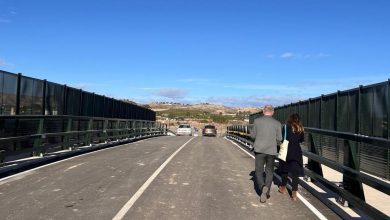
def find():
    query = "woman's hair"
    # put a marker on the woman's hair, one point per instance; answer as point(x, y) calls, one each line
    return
point(295, 123)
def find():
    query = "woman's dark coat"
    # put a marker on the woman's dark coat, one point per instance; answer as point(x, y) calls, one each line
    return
point(294, 160)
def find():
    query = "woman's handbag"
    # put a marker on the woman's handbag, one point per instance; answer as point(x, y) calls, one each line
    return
point(284, 146)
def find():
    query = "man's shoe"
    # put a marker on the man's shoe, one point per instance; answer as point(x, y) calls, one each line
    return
point(282, 189)
point(263, 197)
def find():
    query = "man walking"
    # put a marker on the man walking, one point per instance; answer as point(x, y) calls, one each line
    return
point(267, 132)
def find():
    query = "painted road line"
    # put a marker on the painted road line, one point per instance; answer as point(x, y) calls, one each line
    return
point(307, 203)
point(240, 148)
point(141, 190)
point(60, 161)
point(75, 166)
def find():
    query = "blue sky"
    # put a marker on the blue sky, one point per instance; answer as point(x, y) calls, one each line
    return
point(232, 52)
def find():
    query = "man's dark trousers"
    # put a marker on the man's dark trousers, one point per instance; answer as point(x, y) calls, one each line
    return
point(268, 160)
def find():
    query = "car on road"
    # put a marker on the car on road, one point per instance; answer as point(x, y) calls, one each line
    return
point(209, 130)
point(184, 129)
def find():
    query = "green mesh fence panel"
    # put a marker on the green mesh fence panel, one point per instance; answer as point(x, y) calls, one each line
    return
point(37, 97)
point(54, 100)
point(314, 113)
point(88, 107)
point(31, 96)
point(73, 100)
point(380, 111)
point(328, 112)
point(8, 88)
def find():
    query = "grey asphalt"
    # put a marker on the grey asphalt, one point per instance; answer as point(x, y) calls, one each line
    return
point(210, 178)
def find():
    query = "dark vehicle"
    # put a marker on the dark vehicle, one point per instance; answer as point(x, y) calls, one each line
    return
point(209, 130)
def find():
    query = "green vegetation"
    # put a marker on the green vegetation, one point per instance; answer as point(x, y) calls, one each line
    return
point(203, 116)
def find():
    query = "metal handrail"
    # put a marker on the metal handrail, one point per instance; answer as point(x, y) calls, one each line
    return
point(380, 142)
point(134, 129)
point(366, 179)
point(241, 135)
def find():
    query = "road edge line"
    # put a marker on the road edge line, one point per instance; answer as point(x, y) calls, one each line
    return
point(123, 211)
point(305, 202)
point(66, 159)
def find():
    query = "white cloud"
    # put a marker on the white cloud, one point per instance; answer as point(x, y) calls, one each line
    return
point(262, 87)
point(293, 55)
point(88, 86)
point(320, 55)
point(4, 63)
point(193, 80)
point(171, 93)
point(253, 101)
point(287, 55)
point(2, 20)
point(149, 88)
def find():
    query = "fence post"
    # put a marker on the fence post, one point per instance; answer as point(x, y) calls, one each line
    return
point(67, 136)
point(388, 164)
point(117, 123)
point(352, 185)
point(88, 135)
point(81, 107)
point(128, 127)
point(19, 80)
point(37, 146)
point(105, 126)
point(388, 110)
point(359, 110)
point(65, 100)
point(93, 109)
point(388, 128)
point(336, 127)
point(312, 164)
point(44, 97)
point(320, 117)
point(308, 113)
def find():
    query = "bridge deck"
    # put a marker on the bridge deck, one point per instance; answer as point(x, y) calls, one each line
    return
point(209, 178)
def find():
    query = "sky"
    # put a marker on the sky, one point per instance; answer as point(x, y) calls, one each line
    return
point(232, 52)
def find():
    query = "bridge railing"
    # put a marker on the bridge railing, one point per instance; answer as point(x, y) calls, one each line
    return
point(25, 136)
point(343, 152)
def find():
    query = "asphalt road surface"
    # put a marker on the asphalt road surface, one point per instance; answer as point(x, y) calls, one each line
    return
point(159, 178)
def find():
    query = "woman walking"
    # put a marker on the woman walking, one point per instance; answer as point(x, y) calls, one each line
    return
point(293, 165)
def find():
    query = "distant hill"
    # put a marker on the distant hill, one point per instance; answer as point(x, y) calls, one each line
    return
point(204, 112)
point(207, 107)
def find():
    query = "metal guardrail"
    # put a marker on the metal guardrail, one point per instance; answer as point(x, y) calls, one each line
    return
point(27, 136)
point(351, 189)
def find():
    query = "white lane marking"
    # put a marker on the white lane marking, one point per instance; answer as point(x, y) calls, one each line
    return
point(141, 190)
point(140, 164)
point(72, 167)
point(307, 203)
point(240, 148)
point(60, 161)
point(15, 178)
point(311, 207)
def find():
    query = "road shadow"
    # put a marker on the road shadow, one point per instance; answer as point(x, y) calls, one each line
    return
point(275, 181)
point(255, 185)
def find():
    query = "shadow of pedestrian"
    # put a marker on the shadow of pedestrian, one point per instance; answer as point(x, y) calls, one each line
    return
point(255, 185)
point(276, 181)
